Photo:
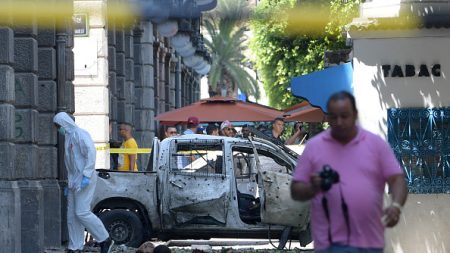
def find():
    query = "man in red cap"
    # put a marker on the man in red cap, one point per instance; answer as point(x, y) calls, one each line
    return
point(192, 124)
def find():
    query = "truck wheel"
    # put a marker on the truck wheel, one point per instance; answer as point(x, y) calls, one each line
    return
point(124, 227)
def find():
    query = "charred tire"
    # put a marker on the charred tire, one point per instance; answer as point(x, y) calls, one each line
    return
point(124, 227)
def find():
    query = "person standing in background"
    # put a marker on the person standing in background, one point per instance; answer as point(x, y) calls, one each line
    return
point(226, 129)
point(127, 161)
point(212, 129)
point(170, 132)
point(192, 124)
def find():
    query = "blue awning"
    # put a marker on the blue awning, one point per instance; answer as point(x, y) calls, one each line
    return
point(318, 86)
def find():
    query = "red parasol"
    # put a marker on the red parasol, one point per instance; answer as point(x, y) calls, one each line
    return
point(218, 109)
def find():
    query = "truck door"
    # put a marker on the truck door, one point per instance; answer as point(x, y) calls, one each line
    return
point(154, 155)
point(197, 187)
point(274, 180)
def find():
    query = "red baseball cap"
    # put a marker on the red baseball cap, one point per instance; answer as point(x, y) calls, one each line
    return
point(193, 121)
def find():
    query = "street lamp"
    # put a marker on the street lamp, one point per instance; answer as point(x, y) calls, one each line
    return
point(205, 70)
point(193, 61)
point(180, 40)
point(168, 28)
point(186, 51)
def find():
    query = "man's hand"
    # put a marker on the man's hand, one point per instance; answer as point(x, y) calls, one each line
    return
point(399, 193)
point(391, 216)
point(84, 182)
point(315, 182)
point(305, 191)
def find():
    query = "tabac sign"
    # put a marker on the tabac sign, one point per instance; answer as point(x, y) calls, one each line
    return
point(409, 70)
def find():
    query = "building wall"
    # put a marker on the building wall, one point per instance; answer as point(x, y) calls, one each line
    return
point(376, 93)
point(36, 73)
point(125, 73)
point(115, 79)
point(91, 78)
point(424, 225)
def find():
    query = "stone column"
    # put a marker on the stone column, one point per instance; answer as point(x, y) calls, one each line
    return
point(162, 78)
point(196, 89)
point(144, 95)
point(149, 72)
point(10, 214)
point(129, 78)
point(47, 138)
point(178, 77)
point(184, 85)
point(113, 115)
point(156, 68)
point(26, 132)
point(172, 81)
point(120, 74)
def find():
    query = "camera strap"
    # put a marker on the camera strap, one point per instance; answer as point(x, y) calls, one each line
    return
point(344, 208)
point(327, 214)
point(345, 212)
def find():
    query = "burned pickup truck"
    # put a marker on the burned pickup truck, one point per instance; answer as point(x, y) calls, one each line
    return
point(201, 186)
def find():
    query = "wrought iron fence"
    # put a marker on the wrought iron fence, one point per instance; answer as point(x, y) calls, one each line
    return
point(421, 142)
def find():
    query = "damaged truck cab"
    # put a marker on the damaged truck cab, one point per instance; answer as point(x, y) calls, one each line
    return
point(201, 186)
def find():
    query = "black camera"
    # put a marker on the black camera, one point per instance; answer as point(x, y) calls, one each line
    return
point(328, 178)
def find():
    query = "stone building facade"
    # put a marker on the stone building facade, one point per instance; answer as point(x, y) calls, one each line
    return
point(115, 74)
point(36, 73)
point(130, 76)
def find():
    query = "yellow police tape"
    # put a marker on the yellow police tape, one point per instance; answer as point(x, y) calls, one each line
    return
point(124, 150)
point(143, 150)
point(130, 150)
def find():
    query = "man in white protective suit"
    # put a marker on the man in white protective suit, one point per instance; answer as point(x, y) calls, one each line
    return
point(79, 151)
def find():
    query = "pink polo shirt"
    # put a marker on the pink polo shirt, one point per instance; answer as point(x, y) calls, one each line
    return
point(364, 165)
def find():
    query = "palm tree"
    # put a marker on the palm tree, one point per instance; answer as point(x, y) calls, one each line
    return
point(227, 41)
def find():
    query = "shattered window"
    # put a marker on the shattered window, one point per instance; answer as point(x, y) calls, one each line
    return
point(244, 166)
point(243, 161)
point(193, 157)
point(271, 162)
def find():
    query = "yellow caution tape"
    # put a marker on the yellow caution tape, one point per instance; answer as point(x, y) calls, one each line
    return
point(124, 150)
point(144, 151)
point(106, 147)
point(130, 150)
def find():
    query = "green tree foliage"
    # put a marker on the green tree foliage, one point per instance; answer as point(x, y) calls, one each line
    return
point(226, 27)
point(291, 37)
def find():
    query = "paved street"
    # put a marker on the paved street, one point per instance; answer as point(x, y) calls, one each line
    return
point(213, 245)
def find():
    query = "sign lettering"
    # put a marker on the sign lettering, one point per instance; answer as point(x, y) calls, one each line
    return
point(410, 70)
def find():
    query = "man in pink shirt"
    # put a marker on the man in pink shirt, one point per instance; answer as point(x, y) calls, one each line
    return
point(349, 217)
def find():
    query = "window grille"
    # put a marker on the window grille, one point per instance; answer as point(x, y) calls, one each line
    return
point(420, 139)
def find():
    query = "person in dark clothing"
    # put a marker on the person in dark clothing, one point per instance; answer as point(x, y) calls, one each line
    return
point(212, 129)
point(277, 131)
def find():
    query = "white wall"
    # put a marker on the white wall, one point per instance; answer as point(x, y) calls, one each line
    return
point(375, 93)
point(91, 78)
point(424, 226)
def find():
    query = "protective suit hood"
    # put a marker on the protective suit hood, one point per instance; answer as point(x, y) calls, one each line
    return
point(63, 119)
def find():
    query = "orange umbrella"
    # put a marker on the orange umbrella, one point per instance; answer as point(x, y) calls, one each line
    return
point(218, 109)
point(304, 112)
